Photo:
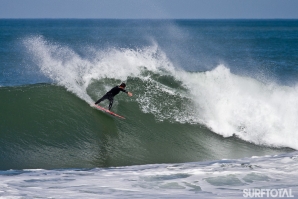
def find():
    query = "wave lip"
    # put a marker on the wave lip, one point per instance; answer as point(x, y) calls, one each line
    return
point(262, 113)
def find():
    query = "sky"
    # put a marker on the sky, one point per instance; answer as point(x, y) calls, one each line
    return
point(150, 9)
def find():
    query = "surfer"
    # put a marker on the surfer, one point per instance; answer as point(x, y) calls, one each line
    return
point(111, 94)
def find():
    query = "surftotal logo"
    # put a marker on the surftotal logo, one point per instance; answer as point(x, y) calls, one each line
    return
point(269, 193)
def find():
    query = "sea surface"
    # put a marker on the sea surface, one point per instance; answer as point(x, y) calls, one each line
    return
point(214, 109)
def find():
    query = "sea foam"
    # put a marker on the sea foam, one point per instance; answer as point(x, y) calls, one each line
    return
point(212, 179)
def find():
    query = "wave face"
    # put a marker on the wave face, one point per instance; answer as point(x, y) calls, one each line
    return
point(174, 116)
point(228, 104)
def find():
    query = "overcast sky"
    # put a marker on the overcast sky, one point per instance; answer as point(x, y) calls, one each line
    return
point(150, 9)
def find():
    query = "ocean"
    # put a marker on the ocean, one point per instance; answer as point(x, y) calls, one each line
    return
point(213, 114)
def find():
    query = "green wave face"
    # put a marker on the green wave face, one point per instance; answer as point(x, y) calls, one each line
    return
point(45, 126)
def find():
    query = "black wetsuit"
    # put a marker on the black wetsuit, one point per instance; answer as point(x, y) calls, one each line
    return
point(110, 95)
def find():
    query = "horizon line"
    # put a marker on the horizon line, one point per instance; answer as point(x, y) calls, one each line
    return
point(156, 18)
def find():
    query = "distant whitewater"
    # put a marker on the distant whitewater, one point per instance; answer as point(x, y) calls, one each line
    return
point(242, 178)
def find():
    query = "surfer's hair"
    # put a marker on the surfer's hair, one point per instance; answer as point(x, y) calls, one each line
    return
point(123, 85)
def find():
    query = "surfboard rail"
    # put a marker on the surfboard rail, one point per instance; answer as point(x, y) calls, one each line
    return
point(108, 111)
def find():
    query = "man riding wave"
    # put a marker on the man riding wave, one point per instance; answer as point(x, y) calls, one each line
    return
point(111, 94)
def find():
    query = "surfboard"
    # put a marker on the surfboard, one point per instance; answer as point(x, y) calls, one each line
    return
point(109, 112)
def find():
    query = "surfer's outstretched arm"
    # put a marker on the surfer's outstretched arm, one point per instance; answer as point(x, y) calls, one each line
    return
point(125, 91)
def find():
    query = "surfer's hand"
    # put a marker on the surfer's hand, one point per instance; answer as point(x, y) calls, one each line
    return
point(129, 94)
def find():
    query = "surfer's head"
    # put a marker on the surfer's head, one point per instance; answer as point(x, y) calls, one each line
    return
point(123, 85)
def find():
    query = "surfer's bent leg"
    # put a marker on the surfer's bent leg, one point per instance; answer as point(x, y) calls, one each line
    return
point(111, 102)
point(101, 99)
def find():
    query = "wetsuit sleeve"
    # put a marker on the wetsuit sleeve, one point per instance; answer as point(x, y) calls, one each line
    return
point(123, 90)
